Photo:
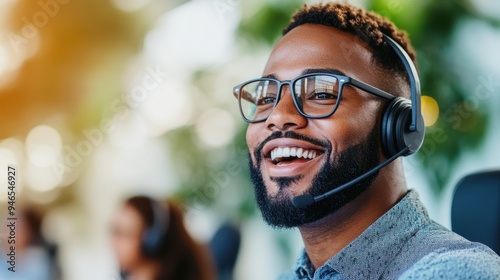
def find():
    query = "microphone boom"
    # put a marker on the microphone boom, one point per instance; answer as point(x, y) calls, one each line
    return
point(307, 199)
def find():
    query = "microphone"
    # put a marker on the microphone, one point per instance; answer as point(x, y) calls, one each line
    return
point(307, 199)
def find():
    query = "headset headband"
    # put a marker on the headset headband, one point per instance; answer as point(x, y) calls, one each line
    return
point(414, 82)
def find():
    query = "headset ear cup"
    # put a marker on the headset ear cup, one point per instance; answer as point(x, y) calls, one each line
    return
point(394, 124)
point(146, 244)
point(149, 243)
point(403, 135)
point(153, 237)
point(387, 128)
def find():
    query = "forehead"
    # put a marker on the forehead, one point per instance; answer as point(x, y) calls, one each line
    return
point(128, 217)
point(315, 46)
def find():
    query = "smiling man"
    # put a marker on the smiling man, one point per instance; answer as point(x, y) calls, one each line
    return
point(328, 121)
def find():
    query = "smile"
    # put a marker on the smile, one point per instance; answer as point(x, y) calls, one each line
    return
point(285, 157)
point(281, 154)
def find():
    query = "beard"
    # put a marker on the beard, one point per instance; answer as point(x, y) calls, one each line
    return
point(278, 210)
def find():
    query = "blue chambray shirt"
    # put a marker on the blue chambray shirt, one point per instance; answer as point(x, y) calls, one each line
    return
point(405, 244)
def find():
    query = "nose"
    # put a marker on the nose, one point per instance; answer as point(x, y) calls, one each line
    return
point(285, 115)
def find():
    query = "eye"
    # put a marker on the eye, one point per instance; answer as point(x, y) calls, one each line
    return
point(266, 100)
point(321, 95)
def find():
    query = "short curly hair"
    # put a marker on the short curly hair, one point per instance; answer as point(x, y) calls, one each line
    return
point(367, 26)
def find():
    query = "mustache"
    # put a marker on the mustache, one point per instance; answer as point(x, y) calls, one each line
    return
point(327, 145)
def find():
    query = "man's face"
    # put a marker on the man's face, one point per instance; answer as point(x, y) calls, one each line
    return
point(343, 146)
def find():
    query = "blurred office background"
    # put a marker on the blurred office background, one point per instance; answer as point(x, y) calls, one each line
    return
point(103, 99)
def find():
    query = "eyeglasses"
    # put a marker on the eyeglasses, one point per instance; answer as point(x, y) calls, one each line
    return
point(315, 95)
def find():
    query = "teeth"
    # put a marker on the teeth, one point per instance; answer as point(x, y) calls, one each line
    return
point(285, 152)
point(299, 152)
point(279, 152)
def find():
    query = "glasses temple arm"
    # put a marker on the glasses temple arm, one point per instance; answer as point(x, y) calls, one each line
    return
point(371, 89)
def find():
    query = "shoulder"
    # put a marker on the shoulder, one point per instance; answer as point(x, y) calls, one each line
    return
point(476, 262)
point(435, 252)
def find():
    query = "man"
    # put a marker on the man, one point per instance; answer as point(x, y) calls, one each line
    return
point(315, 123)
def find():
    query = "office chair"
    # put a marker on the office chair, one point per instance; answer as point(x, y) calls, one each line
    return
point(225, 245)
point(475, 210)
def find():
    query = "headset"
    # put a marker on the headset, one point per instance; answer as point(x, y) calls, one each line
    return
point(153, 238)
point(402, 124)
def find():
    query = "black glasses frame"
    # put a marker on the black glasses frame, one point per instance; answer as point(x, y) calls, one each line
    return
point(342, 80)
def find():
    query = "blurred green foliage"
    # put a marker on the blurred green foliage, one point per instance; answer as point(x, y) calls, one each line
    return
point(265, 24)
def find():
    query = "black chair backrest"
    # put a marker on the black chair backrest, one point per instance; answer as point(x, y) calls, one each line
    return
point(225, 245)
point(475, 210)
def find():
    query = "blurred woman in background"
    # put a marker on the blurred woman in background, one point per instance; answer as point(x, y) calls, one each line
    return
point(151, 243)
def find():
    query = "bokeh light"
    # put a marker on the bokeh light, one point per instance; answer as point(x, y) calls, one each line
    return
point(129, 132)
point(215, 127)
point(192, 36)
point(430, 110)
point(168, 107)
point(43, 146)
point(41, 179)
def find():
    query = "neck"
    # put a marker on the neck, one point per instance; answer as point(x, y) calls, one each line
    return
point(326, 237)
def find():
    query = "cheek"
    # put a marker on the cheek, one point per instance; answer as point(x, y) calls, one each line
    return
point(127, 250)
point(340, 133)
point(348, 128)
point(252, 138)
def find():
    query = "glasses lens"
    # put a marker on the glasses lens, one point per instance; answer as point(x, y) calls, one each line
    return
point(317, 95)
point(257, 99)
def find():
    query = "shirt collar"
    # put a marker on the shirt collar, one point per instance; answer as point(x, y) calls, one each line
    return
point(370, 253)
point(304, 267)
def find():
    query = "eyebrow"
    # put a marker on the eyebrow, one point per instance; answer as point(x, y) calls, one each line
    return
point(311, 71)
